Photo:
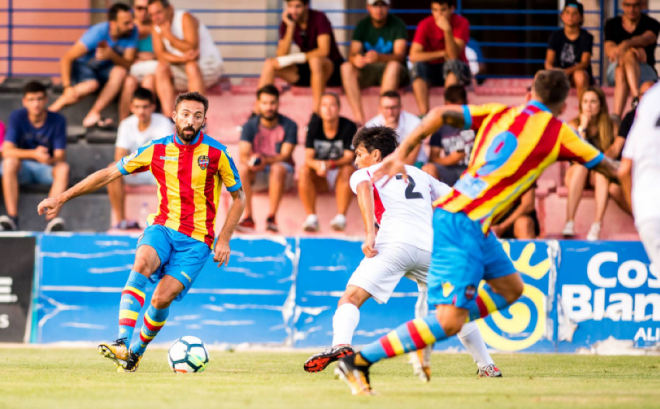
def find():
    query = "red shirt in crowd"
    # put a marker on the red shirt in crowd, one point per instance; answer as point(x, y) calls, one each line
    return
point(432, 38)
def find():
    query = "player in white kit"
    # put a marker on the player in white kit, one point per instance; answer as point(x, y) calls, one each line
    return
point(400, 246)
point(640, 173)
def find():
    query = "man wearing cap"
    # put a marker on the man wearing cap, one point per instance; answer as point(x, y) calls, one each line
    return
point(377, 56)
point(570, 48)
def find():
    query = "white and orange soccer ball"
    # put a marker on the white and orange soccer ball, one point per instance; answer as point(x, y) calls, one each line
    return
point(187, 355)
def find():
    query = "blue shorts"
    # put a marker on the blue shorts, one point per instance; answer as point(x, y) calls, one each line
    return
point(646, 73)
point(81, 72)
point(462, 257)
point(34, 173)
point(181, 257)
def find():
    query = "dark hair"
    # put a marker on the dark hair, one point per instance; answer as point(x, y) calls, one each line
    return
point(377, 137)
point(192, 96)
point(391, 94)
point(34, 87)
point(269, 90)
point(449, 3)
point(455, 94)
point(115, 9)
point(332, 94)
point(304, 2)
point(143, 94)
point(551, 87)
point(165, 3)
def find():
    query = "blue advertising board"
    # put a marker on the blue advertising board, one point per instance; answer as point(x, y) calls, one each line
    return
point(283, 291)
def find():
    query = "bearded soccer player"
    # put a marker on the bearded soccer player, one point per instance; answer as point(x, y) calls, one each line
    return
point(190, 169)
point(512, 148)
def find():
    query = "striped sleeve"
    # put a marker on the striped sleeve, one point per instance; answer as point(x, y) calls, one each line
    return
point(138, 161)
point(474, 115)
point(228, 172)
point(573, 148)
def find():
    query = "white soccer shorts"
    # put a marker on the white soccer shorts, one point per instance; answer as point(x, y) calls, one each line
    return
point(379, 275)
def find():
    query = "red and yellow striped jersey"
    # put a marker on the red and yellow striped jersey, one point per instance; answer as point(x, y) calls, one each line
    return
point(512, 148)
point(189, 179)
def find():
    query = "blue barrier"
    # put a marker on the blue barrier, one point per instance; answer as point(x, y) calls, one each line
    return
point(283, 291)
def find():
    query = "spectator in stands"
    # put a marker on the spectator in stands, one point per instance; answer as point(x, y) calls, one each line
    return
point(438, 51)
point(142, 73)
point(630, 43)
point(328, 163)
point(455, 144)
point(100, 59)
point(594, 125)
point(316, 62)
point(135, 131)
point(570, 48)
point(393, 116)
point(377, 56)
point(33, 153)
point(265, 160)
point(188, 59)
point(521, 222)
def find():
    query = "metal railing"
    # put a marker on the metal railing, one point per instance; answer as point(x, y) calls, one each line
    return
point(11, 27)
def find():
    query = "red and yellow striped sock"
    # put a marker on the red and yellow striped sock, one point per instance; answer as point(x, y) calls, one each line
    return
point(132, 300)
point(154, 320)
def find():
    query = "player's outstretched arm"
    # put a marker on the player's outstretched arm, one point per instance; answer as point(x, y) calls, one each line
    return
point(90, 184)
point(394, 164)
point(609, 168)
point(222, 250)
point(366, 202)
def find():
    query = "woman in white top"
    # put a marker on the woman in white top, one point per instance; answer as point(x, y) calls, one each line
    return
point(187, 55)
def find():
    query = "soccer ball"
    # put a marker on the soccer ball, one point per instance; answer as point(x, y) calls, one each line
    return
point(188, 354)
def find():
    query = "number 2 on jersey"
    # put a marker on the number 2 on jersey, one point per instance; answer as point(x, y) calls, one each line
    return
point(410, 190)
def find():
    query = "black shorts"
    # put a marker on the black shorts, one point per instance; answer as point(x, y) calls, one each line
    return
point(435, 74)
point(305, 75)
point(508, 233)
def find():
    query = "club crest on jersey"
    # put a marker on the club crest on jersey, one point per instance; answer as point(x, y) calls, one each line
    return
point(470, 290)
point(203, 162)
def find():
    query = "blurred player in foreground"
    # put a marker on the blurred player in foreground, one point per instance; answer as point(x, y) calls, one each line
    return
point(190, 169)
point(512, 148)
point(640, 172)
point(401, 248)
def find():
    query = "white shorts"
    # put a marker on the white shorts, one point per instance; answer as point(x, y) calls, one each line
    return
point(143, 68)
point(331, 178)
point(649, 232)
point(379, 275)
point(211, 72)
point(142, 178)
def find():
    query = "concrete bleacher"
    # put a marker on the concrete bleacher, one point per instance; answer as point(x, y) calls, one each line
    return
point(231, 103)
point(230, 106)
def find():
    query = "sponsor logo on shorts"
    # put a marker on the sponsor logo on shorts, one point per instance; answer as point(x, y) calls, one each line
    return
point(447, 288)
point(203, 162)
point(122, 330)
point(470, 290)
point(187, 276)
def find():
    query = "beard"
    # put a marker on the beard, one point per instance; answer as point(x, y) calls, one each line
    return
point(269, 115)
point(186, 136)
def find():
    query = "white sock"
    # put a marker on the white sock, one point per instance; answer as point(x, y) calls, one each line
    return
point(344, 323)
point(471, 338)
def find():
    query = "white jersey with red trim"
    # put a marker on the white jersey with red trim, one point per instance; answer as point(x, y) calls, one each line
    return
point(404, 209)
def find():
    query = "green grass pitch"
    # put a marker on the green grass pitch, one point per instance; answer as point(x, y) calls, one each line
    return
point(68, 378)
